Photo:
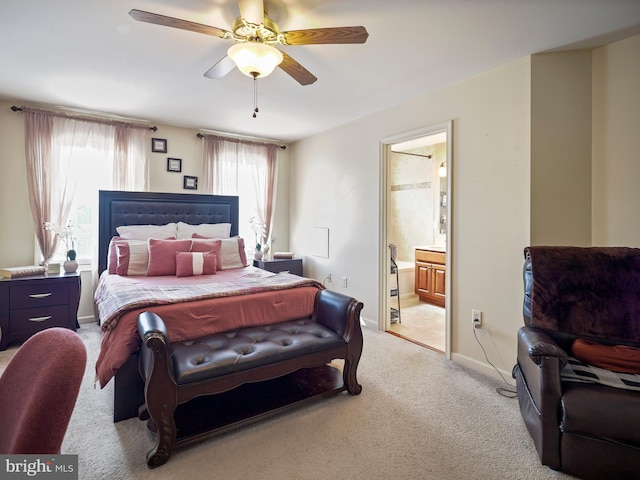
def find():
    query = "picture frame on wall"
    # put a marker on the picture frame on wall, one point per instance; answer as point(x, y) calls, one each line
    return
point(174, 164)
point(159, 145)
point(190, 183)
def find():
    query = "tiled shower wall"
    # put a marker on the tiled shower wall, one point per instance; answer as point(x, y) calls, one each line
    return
point(414, 199)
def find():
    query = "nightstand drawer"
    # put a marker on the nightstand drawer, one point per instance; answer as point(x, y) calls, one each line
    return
point(31, 320)
point(33, 303)
point(39, 295)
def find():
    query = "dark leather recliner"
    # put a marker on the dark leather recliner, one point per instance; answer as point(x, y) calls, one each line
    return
point(588, 430)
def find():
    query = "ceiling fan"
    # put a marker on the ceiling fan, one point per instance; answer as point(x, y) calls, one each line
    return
point(256, 35)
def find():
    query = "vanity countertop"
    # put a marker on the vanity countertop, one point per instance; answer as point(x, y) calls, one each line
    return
point(433, 248)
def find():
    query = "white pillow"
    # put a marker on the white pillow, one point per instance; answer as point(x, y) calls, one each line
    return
point(145, 232)
point(209, 230)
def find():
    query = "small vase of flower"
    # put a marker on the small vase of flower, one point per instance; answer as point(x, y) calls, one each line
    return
point(259, 229)
point(70, 265)
point(65, 233)
point(258, 253)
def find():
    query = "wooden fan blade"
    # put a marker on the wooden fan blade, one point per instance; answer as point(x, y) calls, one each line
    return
point(163, 20)
point(316, 36)
point(252, 11)
point(220, 69)
point(297, 71)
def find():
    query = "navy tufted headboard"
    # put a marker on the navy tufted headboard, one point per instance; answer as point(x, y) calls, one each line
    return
point(147, 208)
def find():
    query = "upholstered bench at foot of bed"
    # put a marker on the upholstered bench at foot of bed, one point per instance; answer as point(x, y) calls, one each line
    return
point(264, 360)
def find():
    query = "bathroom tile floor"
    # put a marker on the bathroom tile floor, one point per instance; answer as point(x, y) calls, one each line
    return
point(422, 323)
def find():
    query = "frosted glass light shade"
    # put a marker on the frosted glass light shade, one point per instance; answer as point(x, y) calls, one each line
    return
point(255, 59)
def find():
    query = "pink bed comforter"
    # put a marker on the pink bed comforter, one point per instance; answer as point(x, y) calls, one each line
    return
point(192, 307)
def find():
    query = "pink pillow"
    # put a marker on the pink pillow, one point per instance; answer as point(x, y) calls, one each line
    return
point(200, 245)
point(112, 256)
point(202, 237)
point(132, 257)
point(162, 256)
point(195, 263)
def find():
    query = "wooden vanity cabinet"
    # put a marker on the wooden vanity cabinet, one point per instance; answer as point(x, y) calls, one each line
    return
point(431, 272)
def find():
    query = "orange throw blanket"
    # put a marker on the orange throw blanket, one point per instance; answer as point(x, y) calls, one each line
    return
point(617, 358)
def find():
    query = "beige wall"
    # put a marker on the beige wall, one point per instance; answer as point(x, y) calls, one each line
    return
point(336, 179)
point(545, 150)
point(17, 240)
point(561, 148)
point(616, 144)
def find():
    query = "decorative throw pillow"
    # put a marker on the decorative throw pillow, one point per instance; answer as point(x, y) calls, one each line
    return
point(232, 254)
point(162, 256)
point(202, 245)
point(207, 230)
point(132, 257)
point(112, 256)
point(145, 232)
point(195, 263)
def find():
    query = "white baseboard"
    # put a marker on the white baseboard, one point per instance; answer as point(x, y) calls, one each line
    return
point(87, 319)
point(370, 324)
point(481, 367)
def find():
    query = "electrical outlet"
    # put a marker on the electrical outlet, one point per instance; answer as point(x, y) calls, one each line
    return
point(344, 282)
point(476, 318)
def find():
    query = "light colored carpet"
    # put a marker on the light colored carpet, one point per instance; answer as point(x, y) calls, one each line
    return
point(419, 417)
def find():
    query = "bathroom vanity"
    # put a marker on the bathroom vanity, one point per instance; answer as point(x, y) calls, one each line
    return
point(431, 271)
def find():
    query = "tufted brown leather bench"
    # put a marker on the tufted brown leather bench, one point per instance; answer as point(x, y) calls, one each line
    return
point(177, 373)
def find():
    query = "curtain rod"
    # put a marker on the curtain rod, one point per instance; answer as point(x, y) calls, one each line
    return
point(202, 135)
point(154, 128)
point(414, 154)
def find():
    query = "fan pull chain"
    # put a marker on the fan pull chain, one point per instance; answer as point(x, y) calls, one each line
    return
point(255, 96)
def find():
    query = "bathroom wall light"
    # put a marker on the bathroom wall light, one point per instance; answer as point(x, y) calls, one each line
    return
point(442, 171)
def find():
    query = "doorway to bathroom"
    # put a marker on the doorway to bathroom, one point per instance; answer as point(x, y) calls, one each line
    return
point(416, 236)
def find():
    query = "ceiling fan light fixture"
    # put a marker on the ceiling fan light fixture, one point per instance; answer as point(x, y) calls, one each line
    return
point(255, 59)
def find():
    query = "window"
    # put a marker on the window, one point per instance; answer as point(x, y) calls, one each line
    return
point(239, 181)
point(246, 169)
point(92, 167)
point(63, 152)
point(68, 160)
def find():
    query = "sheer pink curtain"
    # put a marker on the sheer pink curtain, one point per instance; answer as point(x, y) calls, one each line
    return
point(230, 164)
point(38, 147)
point(220, 165)
point(260, 161)
point(50, 142)
point(131, 143)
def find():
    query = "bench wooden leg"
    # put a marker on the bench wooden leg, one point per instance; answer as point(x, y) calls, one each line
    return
point(354, 352)
point(161, 395)
point(349, 376)
point(165, 435)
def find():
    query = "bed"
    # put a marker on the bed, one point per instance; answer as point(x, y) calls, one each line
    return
point(274, 297)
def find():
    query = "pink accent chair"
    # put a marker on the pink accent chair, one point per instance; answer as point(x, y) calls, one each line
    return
point(38, 391)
